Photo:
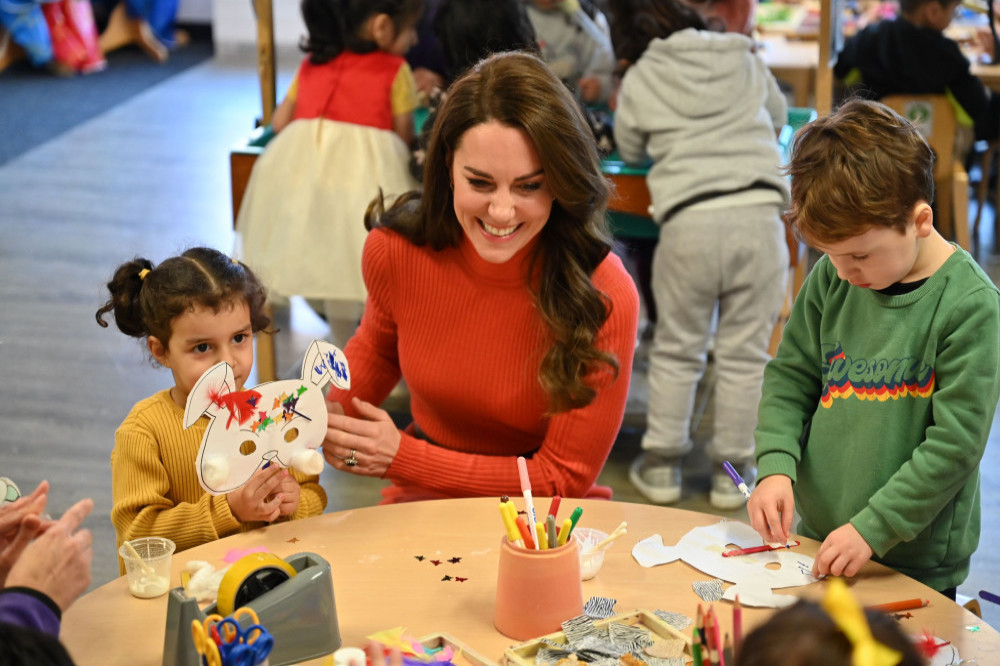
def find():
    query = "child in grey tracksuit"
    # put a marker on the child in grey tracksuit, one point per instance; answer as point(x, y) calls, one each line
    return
point(706, 109)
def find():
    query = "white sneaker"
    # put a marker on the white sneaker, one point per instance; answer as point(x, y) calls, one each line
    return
point(725, 495)
point(656, 477)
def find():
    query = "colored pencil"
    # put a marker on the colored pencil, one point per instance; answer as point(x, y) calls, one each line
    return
point(737, 626)
point(897, 606)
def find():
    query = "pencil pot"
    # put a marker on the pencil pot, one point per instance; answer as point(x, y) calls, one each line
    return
point(537, 590)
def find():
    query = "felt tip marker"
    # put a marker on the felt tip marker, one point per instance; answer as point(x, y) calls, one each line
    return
point(522, 527)
point(567, 527)
point(510, 526)
point(574, 518)
point(554, 506)
point(989, 596)
point(737, 479)
point(529, 505)
point(760, 549)
point(550, 531)
point(540, 537)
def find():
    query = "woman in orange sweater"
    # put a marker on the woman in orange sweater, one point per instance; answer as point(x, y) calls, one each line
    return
point(495, 295)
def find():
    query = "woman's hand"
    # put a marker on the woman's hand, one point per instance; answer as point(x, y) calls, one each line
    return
point(372, 440)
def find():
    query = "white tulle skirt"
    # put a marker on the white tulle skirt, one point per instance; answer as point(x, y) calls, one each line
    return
point(301, 223)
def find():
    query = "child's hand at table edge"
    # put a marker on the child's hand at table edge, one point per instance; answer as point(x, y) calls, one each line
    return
point(842, 553)
point(770, 508)
point(289, 491)
point(259, 498)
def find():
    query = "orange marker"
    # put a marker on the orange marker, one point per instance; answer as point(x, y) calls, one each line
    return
point(522, 527)
point(896, 606)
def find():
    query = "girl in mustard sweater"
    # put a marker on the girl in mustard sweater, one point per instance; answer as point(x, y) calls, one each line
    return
point(193, 311)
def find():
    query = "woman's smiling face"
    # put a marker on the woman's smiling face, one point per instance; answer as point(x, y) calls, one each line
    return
point(502, 199)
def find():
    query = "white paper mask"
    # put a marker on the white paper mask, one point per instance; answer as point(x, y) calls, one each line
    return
point(281, 422)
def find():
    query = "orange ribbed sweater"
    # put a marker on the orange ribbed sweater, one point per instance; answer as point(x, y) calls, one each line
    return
point(154, 483)
point(468, 338)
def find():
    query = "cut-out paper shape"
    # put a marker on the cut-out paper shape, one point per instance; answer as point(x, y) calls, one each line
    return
point(281, 422)
point(754, 575)
point(708, 590)
point(238, 553)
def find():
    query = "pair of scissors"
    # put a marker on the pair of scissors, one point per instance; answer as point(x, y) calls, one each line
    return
point(205, 645)
point(244, 647)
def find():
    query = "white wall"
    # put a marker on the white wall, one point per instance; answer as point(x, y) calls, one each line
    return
point(234, 27)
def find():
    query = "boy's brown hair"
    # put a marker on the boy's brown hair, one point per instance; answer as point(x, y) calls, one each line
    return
point(863, 166)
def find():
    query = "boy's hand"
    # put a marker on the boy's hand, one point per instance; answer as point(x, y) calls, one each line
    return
point(842, 553)
point(259, 498)
point(770, 508)
point(289, 491)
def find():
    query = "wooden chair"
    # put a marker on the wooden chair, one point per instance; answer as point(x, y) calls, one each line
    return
point(934, 117)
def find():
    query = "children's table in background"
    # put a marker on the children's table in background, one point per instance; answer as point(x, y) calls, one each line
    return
point(431, 567)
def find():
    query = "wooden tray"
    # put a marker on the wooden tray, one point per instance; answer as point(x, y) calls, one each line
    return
point(464, 655)
point(523, 654)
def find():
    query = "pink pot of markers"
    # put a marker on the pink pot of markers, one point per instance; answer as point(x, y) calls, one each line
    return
point(537, 590)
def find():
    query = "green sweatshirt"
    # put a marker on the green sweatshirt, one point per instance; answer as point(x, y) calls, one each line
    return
point(879, 407)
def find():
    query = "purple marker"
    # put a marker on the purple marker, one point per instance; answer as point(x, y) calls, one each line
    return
point(989, 596)
point(737, 479)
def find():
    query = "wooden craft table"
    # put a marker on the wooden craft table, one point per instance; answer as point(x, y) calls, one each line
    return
point(380, 582)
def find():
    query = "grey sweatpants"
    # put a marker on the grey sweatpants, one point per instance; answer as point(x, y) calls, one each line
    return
point(732, 262)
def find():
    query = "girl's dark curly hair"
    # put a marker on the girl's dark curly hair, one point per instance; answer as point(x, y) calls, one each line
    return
point(145, 299)
point(335, 26)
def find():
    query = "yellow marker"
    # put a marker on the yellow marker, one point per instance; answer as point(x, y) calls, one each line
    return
point(512, 534)
point(564, 531)
point(542, 540)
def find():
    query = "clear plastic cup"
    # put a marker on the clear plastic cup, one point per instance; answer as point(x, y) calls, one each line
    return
point(591, 559)
point(147, 565)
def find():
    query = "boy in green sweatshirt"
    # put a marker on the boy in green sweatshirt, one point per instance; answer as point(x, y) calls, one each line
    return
point(877, 407)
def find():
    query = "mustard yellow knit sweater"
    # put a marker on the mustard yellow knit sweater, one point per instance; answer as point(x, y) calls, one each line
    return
point(154, 483)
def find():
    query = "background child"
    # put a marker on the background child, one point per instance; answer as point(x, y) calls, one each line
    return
point(466, 31)
point(706, 110)
point(575, 41)
point(828, 634)
point(911, 55)
point(344, 127)
point(193, 311)
point(878, 404)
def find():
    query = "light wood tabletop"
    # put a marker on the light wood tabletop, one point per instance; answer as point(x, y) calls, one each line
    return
point(401, 565)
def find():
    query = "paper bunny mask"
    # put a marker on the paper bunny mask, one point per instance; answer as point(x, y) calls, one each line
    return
point(281, 422)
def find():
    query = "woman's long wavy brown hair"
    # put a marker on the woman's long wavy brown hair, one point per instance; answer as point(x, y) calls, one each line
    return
point(518, 90)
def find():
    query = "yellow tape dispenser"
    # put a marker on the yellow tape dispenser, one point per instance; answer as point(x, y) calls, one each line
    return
point(293, 598)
